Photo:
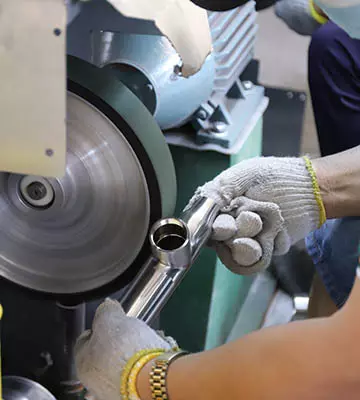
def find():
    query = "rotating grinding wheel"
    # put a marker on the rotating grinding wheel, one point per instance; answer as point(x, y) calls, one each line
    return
point(86, 233)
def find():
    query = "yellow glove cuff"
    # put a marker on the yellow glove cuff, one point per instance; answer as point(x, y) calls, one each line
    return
point(316, 189)
point(317, 17)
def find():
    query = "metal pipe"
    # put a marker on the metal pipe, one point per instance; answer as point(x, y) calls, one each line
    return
point(73, 320)
point(175, 244)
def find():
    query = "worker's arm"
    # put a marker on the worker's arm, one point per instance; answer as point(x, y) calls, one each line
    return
point(339, 180)
point(304, 360)
point(293, 197)
point(313, 359)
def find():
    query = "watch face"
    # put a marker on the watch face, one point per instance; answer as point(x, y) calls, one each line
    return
point(219, 5)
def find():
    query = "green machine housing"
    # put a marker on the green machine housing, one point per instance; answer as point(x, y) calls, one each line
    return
point(202, 312)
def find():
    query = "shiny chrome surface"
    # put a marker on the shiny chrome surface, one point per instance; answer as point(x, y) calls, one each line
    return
point(95, 221)
point(72, 326)
point(199, 220)
point(150, 290)
point(175, 244)
point(177, 98)
point(171, 243)
point(18, 388)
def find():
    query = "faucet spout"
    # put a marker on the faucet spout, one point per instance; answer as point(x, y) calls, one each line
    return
point(175, 244)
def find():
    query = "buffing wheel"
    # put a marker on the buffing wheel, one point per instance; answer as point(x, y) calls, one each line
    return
point(84, 231)
point(18, 388)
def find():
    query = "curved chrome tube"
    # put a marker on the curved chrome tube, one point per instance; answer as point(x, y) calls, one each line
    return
point(175, 245)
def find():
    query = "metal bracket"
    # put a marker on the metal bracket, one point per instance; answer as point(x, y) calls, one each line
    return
point(221, 124)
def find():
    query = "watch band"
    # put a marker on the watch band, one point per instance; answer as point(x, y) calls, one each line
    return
point(158, 374)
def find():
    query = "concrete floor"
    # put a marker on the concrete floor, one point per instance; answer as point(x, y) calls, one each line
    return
point(283, 63)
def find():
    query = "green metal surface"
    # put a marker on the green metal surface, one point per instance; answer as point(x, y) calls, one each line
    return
point(230, 290)
point(108, 88)
point(251, 315)
point(229, 294)
point(203, 309)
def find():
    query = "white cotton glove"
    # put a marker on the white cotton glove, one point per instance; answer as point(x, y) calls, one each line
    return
point(298, 16)
point(268, 203)
point(102, 352)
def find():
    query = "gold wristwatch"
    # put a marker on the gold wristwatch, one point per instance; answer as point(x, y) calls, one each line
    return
point(159, 372)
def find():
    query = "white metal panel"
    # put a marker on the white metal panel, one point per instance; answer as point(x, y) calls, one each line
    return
point(33, 82)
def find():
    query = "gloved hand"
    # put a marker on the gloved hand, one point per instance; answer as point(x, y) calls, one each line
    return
point(299, 15)
point(268, 203)
point(103, 353)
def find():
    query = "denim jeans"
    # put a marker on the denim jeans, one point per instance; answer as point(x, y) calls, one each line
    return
point(334, 249)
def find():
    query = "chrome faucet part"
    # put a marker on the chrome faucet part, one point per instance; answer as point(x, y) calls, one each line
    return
point(199, 220)
point(175, 245)
point(170, 242)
